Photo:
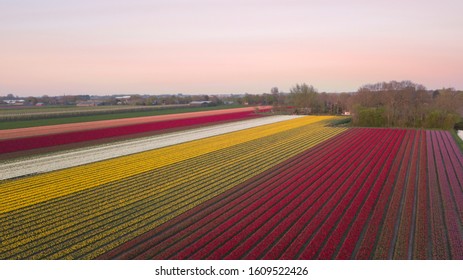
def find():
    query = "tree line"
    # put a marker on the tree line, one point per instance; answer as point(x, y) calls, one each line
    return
point(406, 104)
point(384, 104)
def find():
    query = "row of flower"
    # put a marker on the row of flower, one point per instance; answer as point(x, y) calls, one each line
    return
point(367, 187)
point(15, 194)
point(75, 157)
point(50, 140)
point(244, 204)
point(388, 204)
point(86, 211)
point(449, 180)
point(365, 194)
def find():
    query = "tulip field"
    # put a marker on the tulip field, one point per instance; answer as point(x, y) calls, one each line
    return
point(278, 187)
point(364, 194)
point(16, 140)
point(76, 157)
point(84, 211)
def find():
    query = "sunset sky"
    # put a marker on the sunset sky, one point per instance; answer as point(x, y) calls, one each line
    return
point(60, 47)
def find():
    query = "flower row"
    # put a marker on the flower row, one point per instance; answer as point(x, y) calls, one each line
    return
point(366, 193)
point(19, 193)
point(89, 222)
point(76, 157)
point(50, 140)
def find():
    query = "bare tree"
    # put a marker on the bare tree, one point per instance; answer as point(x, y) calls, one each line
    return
point(406, 104)
point(305, 98)
point(274, 91)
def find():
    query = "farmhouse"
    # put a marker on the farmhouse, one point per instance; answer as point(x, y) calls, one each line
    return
point(200, 103)
point(14, 101)
point(90, 103)
point(123, 99)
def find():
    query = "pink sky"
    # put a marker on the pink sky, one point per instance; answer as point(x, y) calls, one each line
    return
point(170, 46)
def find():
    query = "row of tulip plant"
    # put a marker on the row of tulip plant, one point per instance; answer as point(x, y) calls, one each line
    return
point(364, 194)
point(85, 211)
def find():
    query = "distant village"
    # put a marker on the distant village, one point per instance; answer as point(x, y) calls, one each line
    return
point(134, 100)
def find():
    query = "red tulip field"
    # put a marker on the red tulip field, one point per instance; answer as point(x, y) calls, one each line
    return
point(256, 187)
point(364, 194)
